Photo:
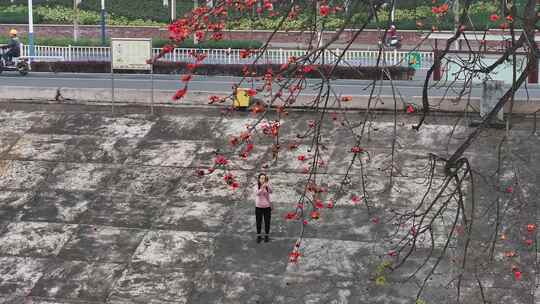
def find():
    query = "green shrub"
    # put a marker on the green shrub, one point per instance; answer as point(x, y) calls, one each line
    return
point(152, 12)
point(131, 9)
point(63, 41)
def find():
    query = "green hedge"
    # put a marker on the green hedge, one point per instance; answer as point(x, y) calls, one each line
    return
point(64, 15)
point(164, 67)
point(131, 9)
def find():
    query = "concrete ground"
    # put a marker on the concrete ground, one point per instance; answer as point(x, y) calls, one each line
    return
point(102, 208)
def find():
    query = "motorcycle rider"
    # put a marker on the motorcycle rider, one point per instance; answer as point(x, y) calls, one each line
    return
point(393, 39)
point(13, 46)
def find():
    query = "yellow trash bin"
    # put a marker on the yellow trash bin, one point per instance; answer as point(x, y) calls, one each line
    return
point(241, 99)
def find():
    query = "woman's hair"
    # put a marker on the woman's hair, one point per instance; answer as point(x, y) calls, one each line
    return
point(259, 179)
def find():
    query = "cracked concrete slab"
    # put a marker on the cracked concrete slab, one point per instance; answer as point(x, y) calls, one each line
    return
point(77, 280)
point(35, 239)
point(109, 209)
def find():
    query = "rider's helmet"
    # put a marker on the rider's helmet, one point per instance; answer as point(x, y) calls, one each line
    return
point(13, 32)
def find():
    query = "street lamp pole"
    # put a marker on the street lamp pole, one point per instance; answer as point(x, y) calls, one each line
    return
point(30, 28)
point(76, 20)
point(173, 10)
point(103, 17)
point(393, 12)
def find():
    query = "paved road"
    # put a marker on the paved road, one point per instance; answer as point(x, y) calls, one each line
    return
point(224, 84)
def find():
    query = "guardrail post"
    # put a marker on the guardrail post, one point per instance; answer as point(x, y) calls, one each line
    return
point(281, 55)
point(69, 52)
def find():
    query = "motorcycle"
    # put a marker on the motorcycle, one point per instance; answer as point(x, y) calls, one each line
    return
point(18, 64)
point(393, 42)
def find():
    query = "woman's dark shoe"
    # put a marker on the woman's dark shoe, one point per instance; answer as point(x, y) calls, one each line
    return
point(259, 239)
point(266, 239)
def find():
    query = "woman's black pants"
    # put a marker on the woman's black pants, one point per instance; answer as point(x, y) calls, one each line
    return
point(259, 214)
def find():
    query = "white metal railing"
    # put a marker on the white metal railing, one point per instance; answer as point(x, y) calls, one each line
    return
point(233, 56)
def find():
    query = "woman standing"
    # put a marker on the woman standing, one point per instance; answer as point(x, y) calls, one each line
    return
point(263, 206)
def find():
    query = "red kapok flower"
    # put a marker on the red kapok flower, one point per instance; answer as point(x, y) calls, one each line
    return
point(308, 68)
point(268, 5)
point(315, 215)
point(251, 92)
point(517, 275)
point(199, 35)
point(245, 53)
point(180, 94)
point(228, 177)
point(355, 199)
point(319, 204)
point(186, 78)
point(217, 36)
point(346, 98)
point(221, 160)
point(235, 185)
point(290, 215)
point(392, 253)
point(529, 242)
point(509, 18)
point(494, 17)
point(233, 141)
point(301, 157)
point(410, 108)
point(531, 227)
point(168, 48)
point(191, 66)
point(509, 189)
point(305, 222)
point(200, 172)
point(293, 256)
point(330, 205)
point(324, 10)
point(357, 149)
point(214, 99)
